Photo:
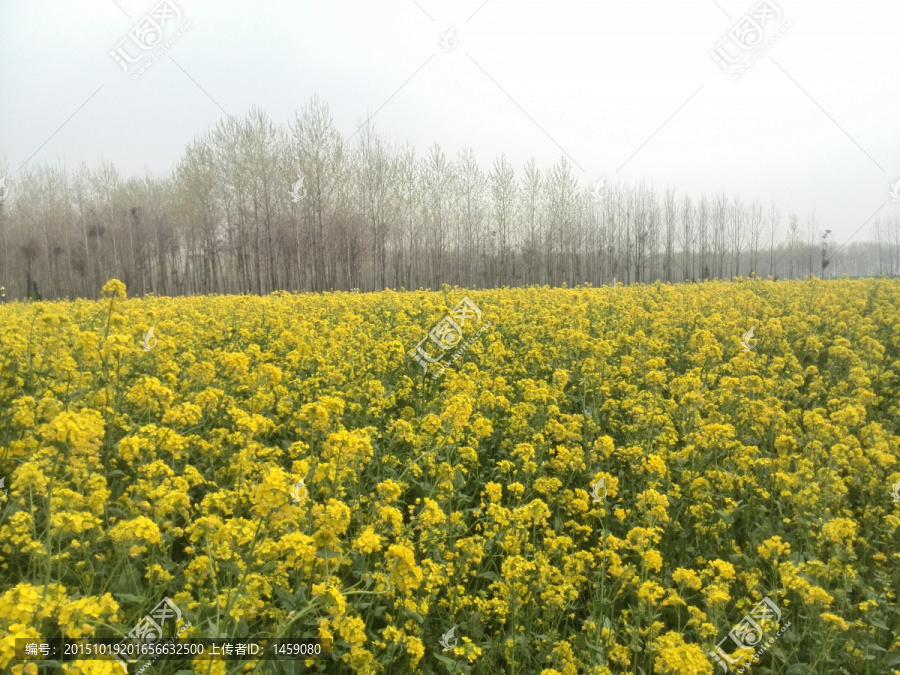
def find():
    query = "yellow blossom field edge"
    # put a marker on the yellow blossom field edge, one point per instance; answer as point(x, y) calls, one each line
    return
point(730, 474)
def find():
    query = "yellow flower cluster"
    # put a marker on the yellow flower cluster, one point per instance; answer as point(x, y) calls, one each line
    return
point(607, 481)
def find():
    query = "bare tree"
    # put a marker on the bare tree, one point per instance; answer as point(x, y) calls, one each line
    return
point(616, 252)
point(812, 231)
point(439, 187)
point(643, 218)
point(793, 242)
point(686, 238)
point(561, 194)
point(703, 215)
point(254, 207)
point(825, 260)
point(504, 193)
point(376, 171)
point(774, 222)
point(669, 219)
point(720, 223)
point(737, 226)
point(318, 150)
point(473, 241)
point(755, 231)
point(532, 190)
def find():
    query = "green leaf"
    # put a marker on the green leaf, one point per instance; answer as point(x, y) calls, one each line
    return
point(127, 581)
point(230, 567)
point(450, 663)
point(287, 600)
point(493, 576)
point(215, 632)
point(596, 648)
point(415, 615)
point(243, 630)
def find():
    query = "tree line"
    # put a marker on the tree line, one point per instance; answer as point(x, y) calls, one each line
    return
point(253, 207)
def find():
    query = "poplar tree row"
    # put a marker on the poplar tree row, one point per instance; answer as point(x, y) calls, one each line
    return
point(252, 207)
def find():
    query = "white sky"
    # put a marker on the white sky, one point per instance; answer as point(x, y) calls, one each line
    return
point(627, 89)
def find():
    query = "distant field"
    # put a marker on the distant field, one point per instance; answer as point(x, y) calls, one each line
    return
point(607, 480)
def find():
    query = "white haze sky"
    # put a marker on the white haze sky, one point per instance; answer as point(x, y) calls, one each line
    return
point(628, 90)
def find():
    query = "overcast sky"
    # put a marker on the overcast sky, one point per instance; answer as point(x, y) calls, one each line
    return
point(627, 90)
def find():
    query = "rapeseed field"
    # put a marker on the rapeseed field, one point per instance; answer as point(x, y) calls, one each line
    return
point(667, 479)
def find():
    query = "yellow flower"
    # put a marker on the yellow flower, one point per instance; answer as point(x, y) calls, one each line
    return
point(114, 289)
point(352, 629)
point(83, 431)
point(25, 603)
point(389, 491)
point(77, 616)
point(834, 620)
point(773, 547)
point(8, 645)
point(467, 497)
point(405, 574)
point(30, 475)
point(655, 465)
point(653, 560)
point(650, 591)
point(722, 569)
point(494, 491)
point(674, 657)
point(621, 655)
point(654, 504)
point(840, 531)
point(17, 535)
point(482, 427)
point(716, 594)
point(368, 541)
point(140, 529)
point(547, 485)
point(687, 577)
